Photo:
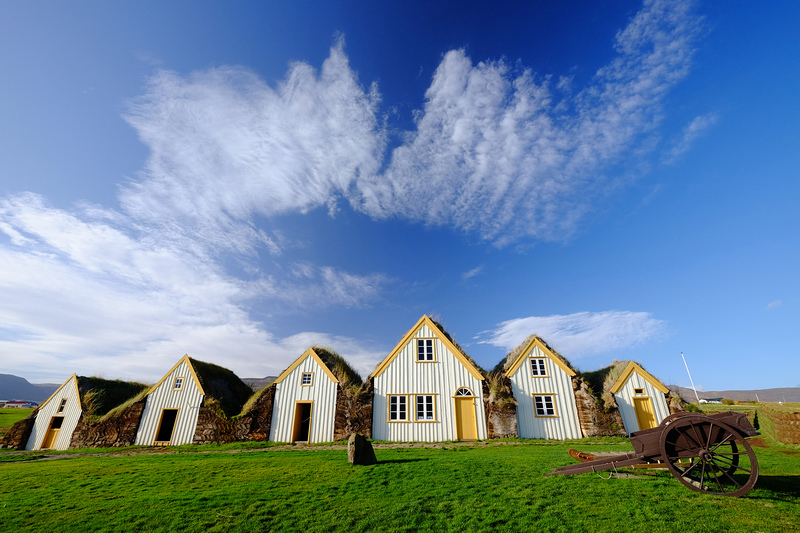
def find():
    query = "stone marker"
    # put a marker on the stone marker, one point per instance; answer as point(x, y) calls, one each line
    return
point(359, 450)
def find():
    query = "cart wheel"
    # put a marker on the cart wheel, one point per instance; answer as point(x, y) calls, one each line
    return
point(709, 456)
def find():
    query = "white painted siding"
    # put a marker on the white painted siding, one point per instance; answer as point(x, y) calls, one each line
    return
point(322, 392)
point(188, 401)
point(405, 375)
point(71, 414)
point(625, 402)
point(558, 383)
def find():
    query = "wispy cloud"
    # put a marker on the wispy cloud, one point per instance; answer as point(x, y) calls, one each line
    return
point(472, 273)
point(775, 304)
point(226, 146)
point(510, 154)
point(511, 157)
point(580, 334)
point(690, 134)
point(81, 290)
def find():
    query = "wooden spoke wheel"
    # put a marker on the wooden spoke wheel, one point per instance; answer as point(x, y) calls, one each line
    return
point(709, 456)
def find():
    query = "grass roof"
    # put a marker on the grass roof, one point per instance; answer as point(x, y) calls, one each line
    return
point(338, 367)
point(100, 396)
point(222, 385)
point(459, 348)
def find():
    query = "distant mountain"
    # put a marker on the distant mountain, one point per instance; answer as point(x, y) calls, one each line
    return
point(17, 388)
point(787, 394)
point(259, 383)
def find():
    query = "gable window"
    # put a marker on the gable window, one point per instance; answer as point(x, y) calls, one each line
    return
point(306, 379)
point(425, 350)
point(638, 391)
point(62, 405)
point(425, 408)
point(178, 385)
point(398, 408)
point(538, 368)
point(545, 405)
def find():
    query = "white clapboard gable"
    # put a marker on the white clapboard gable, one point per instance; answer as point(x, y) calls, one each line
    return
point(542, 386)
point(640, 397)
point(305, 401)
point(427, 390)
point(172, 407)
point(57, 418)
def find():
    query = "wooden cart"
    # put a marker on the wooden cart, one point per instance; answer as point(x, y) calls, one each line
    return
point(706, 453)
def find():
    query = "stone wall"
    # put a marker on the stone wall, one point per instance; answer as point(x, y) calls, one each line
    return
point(17, 437)
point(256, 424)
point(115, 431)
point(594, 420)
point(501, 416)
point(353, 412)
point(213, 426)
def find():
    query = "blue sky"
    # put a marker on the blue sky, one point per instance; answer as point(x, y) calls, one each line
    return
point(238, 181)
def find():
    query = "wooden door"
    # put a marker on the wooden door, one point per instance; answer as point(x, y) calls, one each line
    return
point(466, 424)
point(52, 432)
point(645, 414)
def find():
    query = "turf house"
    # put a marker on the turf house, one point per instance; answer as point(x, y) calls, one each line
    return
point(641, 398)
point(193, 403)
point(541, 382)
point(427, 389)
point(80, 413)
point(315, 398)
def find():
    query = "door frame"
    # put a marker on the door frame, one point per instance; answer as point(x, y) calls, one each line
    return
point(161, 421)
point(297, 419)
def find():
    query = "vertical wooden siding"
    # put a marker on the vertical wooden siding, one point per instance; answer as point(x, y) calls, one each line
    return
point(322, 392)
point(442, 378)
point(625, 396)
point(188, 400)
point(566, 425)
point(71, 414)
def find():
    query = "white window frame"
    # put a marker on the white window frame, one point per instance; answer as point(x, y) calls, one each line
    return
point(540, 370)
point(395, 402)
point(61, 405)
point(428, 406)
point(426, 350)
point(177, 384)
point(545, 411)
point(303, 379)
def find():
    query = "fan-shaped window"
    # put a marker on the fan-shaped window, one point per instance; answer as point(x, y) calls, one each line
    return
point(463, 391)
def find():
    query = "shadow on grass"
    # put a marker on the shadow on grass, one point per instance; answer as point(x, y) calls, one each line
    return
point(788, 486)
point(401, 461)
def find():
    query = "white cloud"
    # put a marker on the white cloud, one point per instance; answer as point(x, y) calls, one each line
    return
point(225, 146)
point(472, 273)
point(775, 304)
point(81, 293)
point(499, 153)
point(580, 334)
point(690, 134)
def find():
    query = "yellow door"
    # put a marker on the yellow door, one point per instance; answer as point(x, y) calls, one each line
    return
point(645, 414)
point(466, 425)
point(52, 432)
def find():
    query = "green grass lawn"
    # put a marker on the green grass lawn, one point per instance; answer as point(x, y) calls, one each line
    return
point(473, 488)
point(9, 416)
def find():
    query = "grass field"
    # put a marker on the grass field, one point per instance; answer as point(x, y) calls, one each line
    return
point(9, 416)
point(482, 487)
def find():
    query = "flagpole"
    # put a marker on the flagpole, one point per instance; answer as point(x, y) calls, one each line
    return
point(690, 379)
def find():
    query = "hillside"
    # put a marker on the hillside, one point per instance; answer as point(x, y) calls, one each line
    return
point(259, 383)
point(786, 394)
point(17, 388)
